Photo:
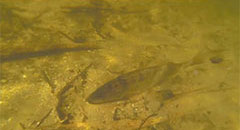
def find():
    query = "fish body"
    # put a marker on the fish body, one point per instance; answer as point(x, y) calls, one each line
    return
point(133, 83)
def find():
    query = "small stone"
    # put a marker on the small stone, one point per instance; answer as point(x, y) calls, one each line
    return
point(167, 94)
point(9, 119)
point(24, 76)
point(216, 60)
point(133, 105)
point(117, 115)
point(196, 72)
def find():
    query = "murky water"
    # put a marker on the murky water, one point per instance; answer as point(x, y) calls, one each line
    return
point(119, 64)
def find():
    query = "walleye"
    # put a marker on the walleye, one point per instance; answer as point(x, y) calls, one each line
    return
point(130, 84)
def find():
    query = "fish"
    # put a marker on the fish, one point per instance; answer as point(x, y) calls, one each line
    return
point(132, 83)
point(42, 53)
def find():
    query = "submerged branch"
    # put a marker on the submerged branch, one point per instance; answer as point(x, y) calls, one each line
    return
point(42, 53)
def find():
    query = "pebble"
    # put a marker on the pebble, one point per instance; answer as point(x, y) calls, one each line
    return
point(216, 60)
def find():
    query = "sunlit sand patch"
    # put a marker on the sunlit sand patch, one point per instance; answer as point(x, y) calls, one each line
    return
point(82, 125)
point(111, 60)
point(6, 94)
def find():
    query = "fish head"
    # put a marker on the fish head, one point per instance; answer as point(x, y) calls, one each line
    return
point(109, 92)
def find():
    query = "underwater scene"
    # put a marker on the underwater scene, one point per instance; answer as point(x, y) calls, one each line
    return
point(119, 65)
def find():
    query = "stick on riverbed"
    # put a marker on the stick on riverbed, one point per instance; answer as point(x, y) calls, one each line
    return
point(42, 53)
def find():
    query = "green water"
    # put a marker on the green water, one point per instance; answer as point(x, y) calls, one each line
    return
point(56, 53)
